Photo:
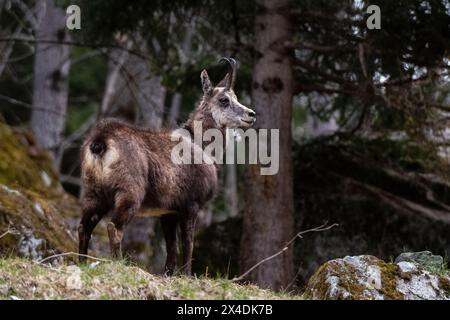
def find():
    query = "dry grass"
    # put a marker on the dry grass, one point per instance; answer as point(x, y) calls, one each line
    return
point(24, 279)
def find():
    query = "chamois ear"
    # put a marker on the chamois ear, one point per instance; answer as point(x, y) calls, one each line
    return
point(206, 83)
point(224, 81)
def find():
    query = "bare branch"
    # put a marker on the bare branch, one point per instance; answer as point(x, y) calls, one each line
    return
point(70, 179)
point(321, 228)
point(78, 44)
point(72, 254)
point(5, 233)
point(10, 230)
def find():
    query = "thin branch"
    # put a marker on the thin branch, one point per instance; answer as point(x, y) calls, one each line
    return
point(362, 60)
point(399, 82)
point(73, 254)
point(320, 72)
point(321, 228)
point(320, 48)
point(5, 233)
point(27, 105)
point(78, 44)
point(70, 179)
point(10, 230)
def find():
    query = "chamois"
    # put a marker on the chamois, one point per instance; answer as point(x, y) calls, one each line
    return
point(125, 168)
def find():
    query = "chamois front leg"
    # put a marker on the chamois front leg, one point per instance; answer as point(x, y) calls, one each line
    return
point(94, 210)
point(169, 225)
point(187, 226)
point(125, 207)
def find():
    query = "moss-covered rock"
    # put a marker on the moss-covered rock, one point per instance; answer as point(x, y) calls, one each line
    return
point(369, 278)
point(423, 258)
point(33, 205)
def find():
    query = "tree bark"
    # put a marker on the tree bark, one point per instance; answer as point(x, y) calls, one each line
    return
point(174, 112)
point(50, 85)
point(230, 192)
point(268, 221)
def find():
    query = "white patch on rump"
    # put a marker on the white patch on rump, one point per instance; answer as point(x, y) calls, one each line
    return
point(100, 167)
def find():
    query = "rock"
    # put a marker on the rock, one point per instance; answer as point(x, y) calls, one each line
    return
point(423, 258)
point(4, 289)
point(33, 204)
point(369, 278)
point(73, 281)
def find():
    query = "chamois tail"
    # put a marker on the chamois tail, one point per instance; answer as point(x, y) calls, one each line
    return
point(98, 146)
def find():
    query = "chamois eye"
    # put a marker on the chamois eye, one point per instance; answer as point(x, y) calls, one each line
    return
point(223, 102)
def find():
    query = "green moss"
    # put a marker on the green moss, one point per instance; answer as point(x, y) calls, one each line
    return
point(31, 197)
point(17, 168)
point(444, 283)
point(389, 274)
point(28, 210)
point(318, 287)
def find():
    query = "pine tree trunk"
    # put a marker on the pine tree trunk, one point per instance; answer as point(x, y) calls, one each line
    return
point(51, 70)
point(269, 214)
point(230, 192)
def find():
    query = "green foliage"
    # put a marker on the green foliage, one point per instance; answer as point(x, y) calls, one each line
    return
point(87, 72)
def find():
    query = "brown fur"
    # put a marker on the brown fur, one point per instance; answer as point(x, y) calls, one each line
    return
point(125, 168)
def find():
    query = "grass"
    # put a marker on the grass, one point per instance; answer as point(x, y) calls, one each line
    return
point(25, 279)
point(442, 270)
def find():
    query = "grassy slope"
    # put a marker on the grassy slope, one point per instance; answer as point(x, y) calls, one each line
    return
point(24, 279)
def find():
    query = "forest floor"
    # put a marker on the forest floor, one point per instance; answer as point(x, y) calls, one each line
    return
point(26, 279)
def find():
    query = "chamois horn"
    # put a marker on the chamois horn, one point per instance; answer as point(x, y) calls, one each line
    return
point(231, 72)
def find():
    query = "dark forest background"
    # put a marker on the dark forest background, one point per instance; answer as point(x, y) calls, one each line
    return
point(362, 113)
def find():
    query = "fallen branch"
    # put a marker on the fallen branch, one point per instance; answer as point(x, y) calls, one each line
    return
point(323, 227)
point(72, 254)
point(10, 230)
point(5, 233)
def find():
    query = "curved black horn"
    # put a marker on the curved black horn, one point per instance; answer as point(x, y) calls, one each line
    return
point(231, 71)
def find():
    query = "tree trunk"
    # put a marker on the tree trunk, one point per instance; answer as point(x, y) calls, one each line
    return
point(269, 213)
point(174, 112)
point(230, 192)
point(116, 61)
point(50, 85)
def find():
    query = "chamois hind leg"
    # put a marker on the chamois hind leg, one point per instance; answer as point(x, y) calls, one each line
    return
point(125, 207)
point(187, 226)
point(94, 210)
point(169, 225)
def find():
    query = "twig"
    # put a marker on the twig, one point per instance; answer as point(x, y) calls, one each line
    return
point(323, 227)
point(293, 279)
point(5, 233)
point(73, 254)
point(70, 179)
point(10, 230)
point(77, 44)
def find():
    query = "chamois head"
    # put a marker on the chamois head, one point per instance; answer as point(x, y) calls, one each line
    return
point(222, 102)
